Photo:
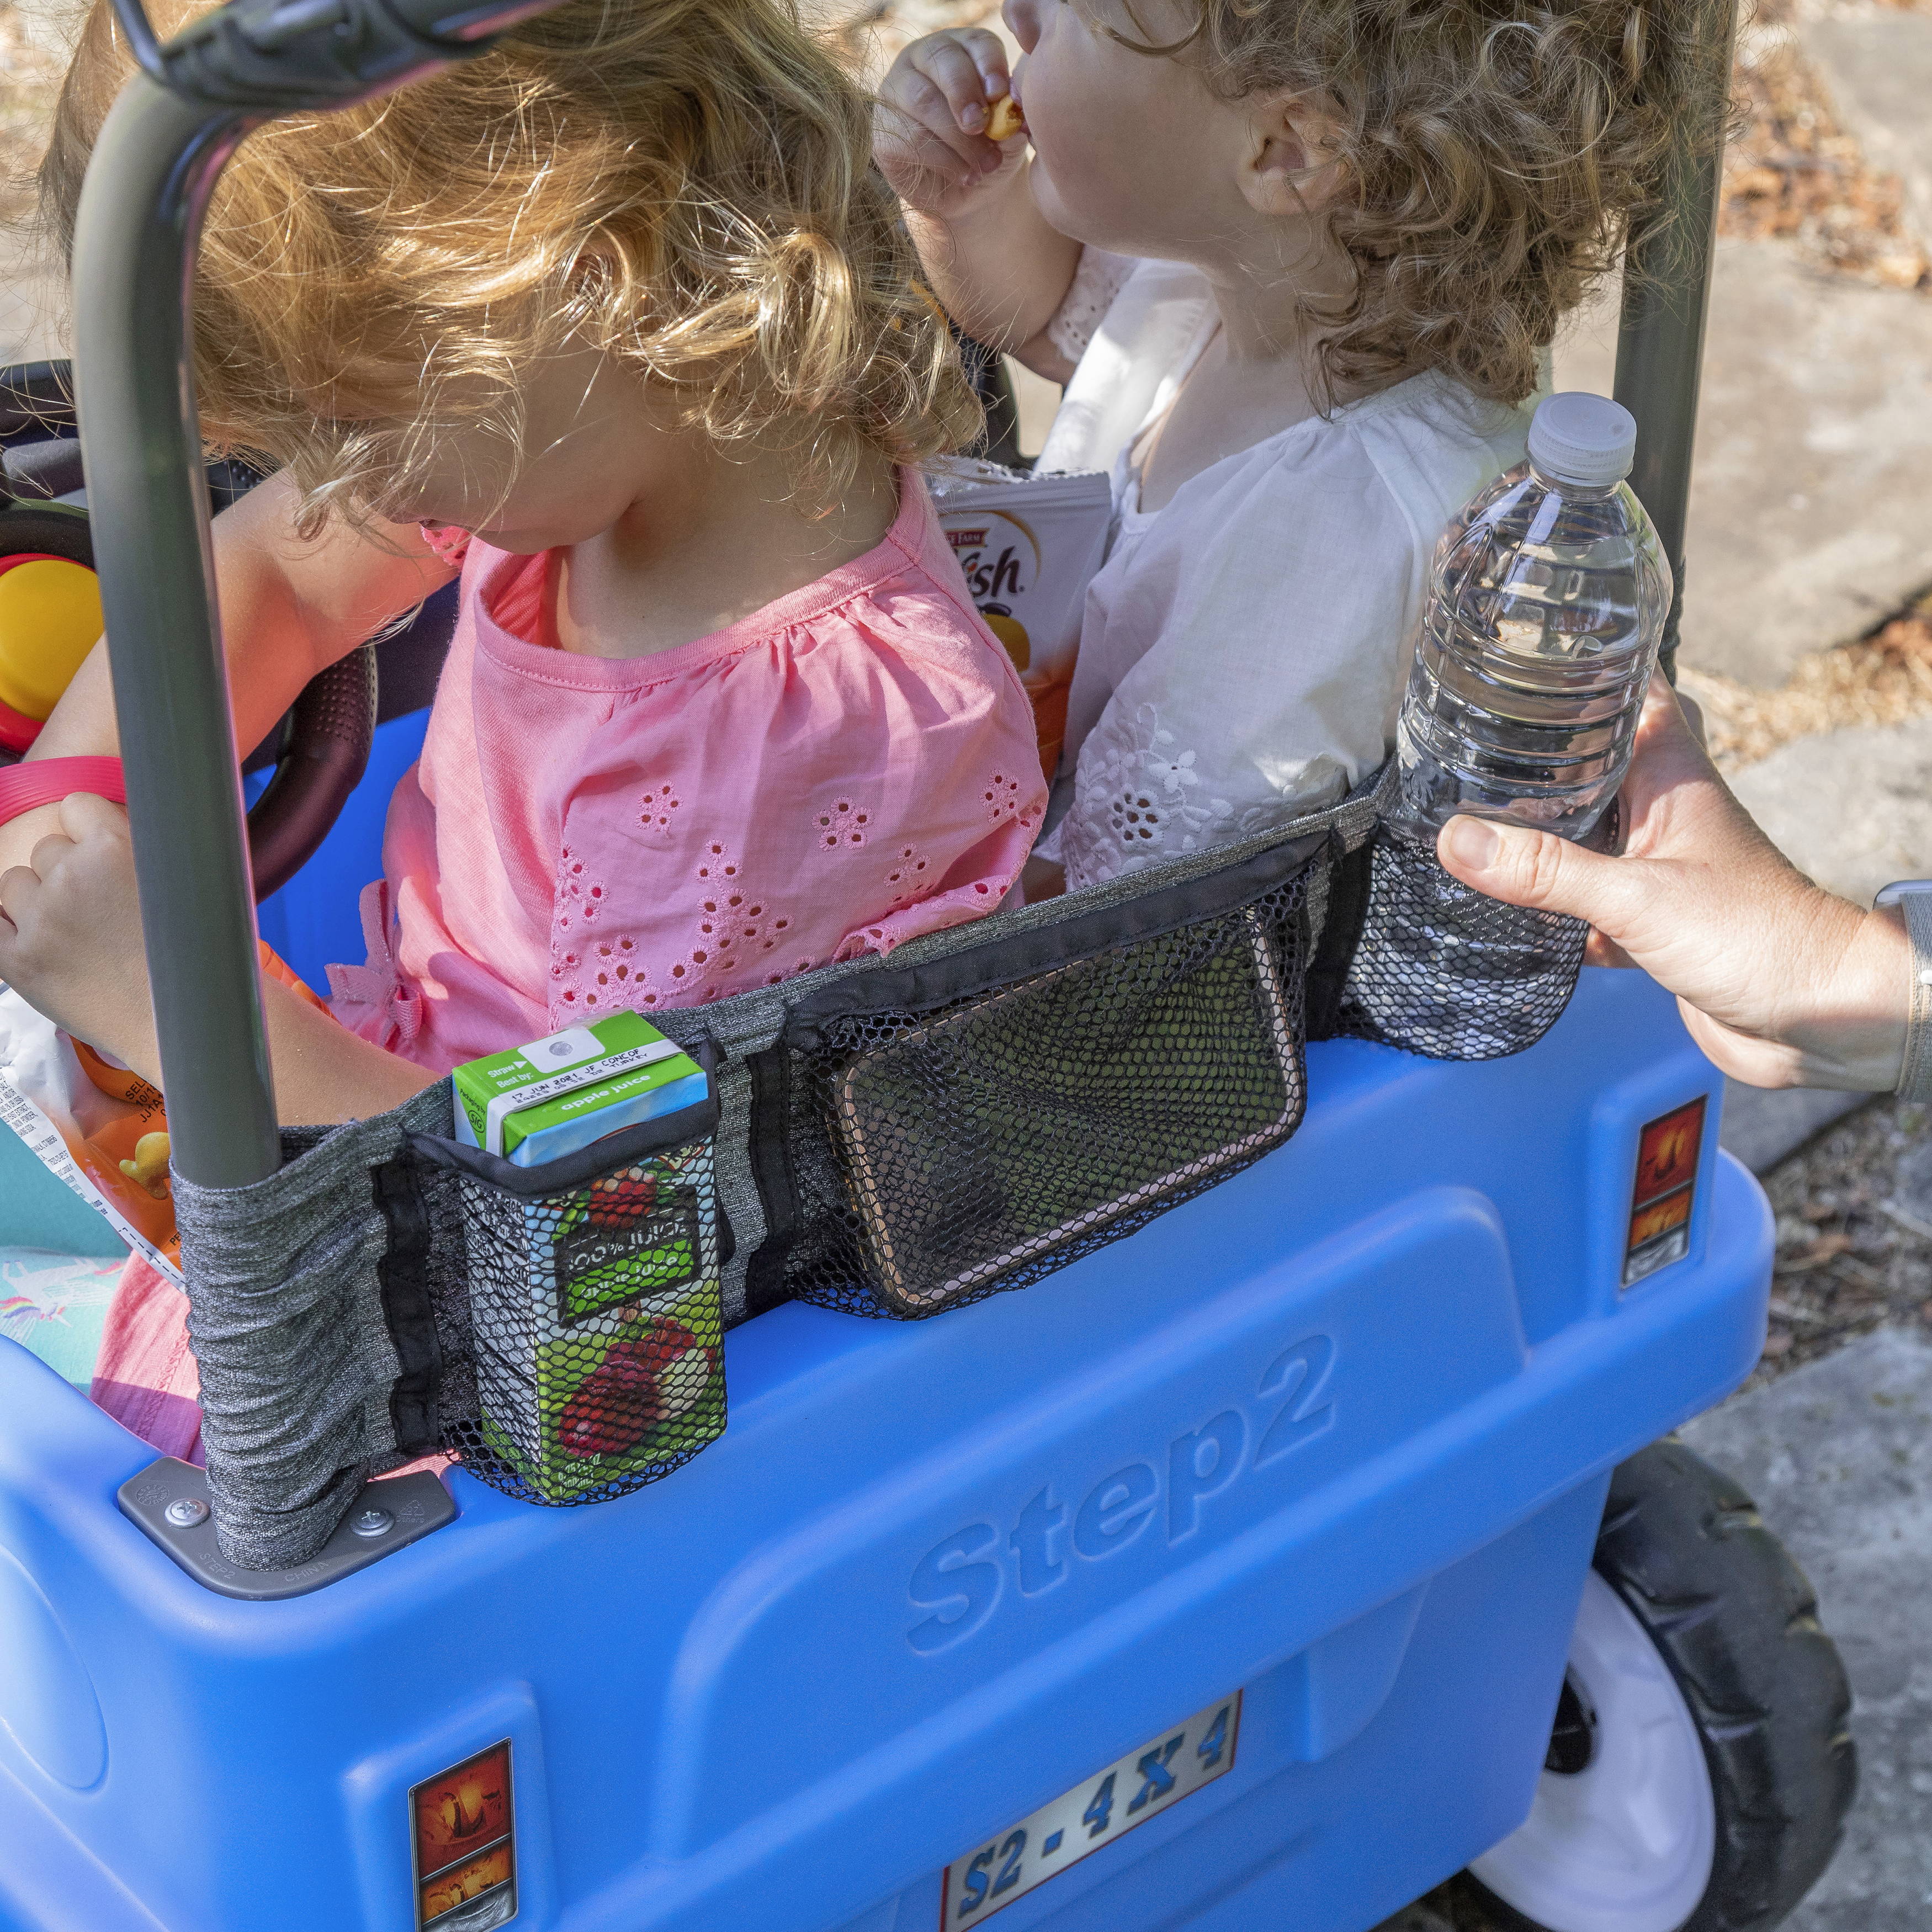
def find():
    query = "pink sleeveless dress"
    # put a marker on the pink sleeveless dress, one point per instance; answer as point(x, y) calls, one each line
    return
point(843, 770)
point(839, 771)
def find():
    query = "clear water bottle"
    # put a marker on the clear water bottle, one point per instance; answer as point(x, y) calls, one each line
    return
point(1547, 602)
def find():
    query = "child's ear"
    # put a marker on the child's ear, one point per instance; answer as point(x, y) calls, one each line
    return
point(1290, 165)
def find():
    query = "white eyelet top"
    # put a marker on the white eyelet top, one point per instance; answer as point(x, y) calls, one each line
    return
point(1244, 649)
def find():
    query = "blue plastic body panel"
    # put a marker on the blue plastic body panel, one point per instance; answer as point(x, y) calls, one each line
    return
point(1337, 1432)
point(314, 921)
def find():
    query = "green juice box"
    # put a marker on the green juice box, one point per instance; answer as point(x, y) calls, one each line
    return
point(598, 1319)
point(536, 1103)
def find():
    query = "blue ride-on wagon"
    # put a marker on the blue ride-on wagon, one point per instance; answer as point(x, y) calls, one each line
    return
point(1305, 1532)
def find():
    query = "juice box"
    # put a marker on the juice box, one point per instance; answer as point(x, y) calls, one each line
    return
point(536, 1103)
point(574, 1410)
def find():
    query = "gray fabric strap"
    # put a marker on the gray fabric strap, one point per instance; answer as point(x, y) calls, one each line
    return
point(285, 1312)
point(1915, 1076)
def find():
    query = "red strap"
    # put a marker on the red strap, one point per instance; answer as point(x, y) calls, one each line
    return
point(17, 730)
point(48, 781)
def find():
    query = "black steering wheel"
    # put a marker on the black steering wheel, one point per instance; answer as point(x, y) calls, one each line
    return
point(319, 751)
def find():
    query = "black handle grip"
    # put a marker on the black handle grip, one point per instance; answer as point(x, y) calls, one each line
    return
point(333, 723)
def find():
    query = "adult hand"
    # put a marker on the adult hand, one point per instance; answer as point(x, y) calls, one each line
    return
point(1782, 983)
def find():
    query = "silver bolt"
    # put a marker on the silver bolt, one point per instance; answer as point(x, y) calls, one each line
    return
point(372, 1521)
point(186, 1512)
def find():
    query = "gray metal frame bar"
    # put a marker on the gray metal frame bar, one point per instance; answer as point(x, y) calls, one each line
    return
point(1666, 300)
point(154, 167)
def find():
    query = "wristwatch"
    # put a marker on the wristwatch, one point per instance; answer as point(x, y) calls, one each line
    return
point(1913, 898)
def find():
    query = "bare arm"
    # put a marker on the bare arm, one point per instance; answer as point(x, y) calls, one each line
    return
point(996, 266)
point(289, 608)
point(71, 940)
point(69, 918)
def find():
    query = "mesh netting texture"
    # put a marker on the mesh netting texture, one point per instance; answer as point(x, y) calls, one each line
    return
point(938, 1152)
point(1444, 970)
point(596, 1331)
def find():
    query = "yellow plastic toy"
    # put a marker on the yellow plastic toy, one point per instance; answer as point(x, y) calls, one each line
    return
point(49, 620)
point(149, 1167)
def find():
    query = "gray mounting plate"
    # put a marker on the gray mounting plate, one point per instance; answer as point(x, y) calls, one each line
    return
point(419, 1503)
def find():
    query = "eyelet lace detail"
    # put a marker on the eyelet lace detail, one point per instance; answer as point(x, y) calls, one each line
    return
point(657, 812)
point(842, 826)
point(1138, 802)
point(1097, 279)
point(608, 975)
point(908, 876)
point(1008, 796)
point(580, 897)
point(743, 934)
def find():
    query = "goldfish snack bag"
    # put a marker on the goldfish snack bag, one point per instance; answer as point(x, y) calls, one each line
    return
point(1029, 546)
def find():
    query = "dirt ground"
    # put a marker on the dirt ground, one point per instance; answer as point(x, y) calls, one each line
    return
point(1883, 678)
point(1854, 1241)
point(1792, 173)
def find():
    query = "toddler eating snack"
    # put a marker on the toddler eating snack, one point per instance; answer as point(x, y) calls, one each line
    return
point(1295, 264)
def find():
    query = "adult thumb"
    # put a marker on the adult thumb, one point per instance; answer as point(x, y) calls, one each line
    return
point(1525, 867)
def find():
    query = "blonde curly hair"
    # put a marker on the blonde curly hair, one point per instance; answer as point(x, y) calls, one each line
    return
point(686, 183)
point(1494, 155)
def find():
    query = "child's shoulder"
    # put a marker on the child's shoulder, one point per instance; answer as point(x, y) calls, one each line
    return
point(1397, 465)
point(906, 598)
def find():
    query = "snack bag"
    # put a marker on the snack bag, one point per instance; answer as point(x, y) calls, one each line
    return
point(1029, 546)
point(95, 1126)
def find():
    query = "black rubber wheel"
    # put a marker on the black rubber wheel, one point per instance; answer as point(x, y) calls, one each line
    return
point(1735, 1623)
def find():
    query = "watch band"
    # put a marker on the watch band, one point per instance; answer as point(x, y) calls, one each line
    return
point(1913, 898)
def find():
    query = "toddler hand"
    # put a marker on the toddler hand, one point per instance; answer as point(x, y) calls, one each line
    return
point(929, 128)
point(71, 933)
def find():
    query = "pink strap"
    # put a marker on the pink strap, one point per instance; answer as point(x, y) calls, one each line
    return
point(48, 781)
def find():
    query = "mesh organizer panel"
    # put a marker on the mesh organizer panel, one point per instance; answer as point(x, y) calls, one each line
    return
point(1442, 970)
point(949, 1131)
point(890, 1137)
point(596, 1329)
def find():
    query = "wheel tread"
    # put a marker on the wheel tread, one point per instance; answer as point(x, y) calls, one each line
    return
point(1736, 1623)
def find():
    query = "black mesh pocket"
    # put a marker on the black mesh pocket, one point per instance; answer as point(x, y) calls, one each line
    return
point(596, 1329)
point(931, 1136)
point(1444, 970)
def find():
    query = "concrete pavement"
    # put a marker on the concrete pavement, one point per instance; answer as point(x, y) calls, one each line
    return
point(1811, 500)
point(1837, 1456)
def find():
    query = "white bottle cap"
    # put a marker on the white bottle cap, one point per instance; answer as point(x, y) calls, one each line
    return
point(1581, 439)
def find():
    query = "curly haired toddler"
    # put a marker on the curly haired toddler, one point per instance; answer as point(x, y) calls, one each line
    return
point(1294, 260)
